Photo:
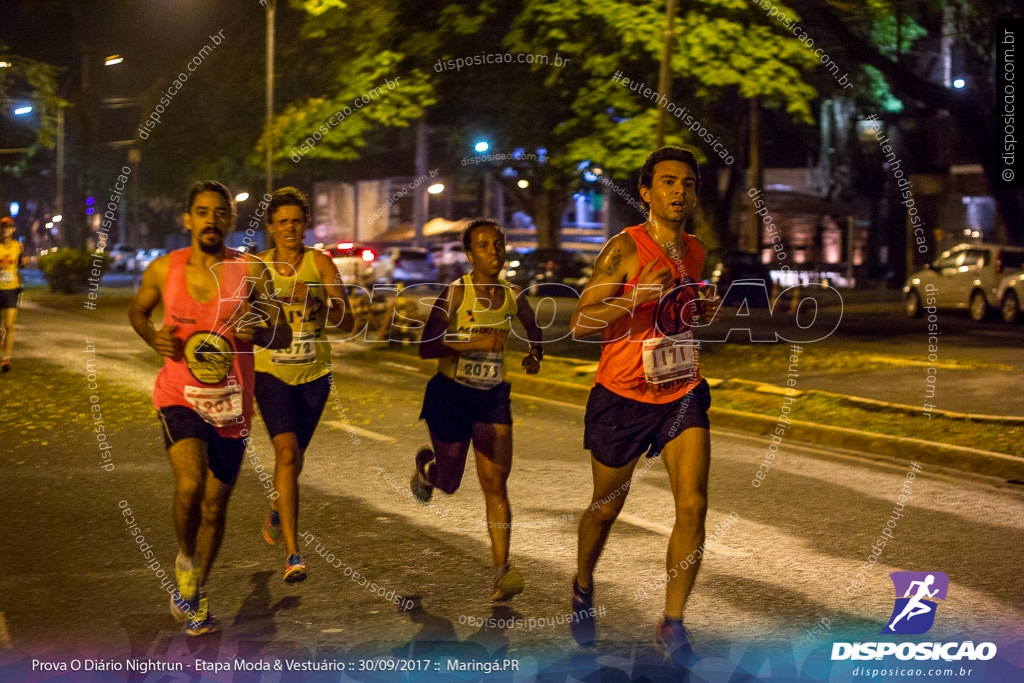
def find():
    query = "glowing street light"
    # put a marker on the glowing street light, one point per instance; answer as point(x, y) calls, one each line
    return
point(481, 146)
point(112, 60)
point(959, 83)
point(21, 111)
point(523, 184)
point(58, 218)
point(436, 188)
point(241, 196)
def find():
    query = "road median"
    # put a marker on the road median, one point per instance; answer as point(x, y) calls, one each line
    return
point(760, 420)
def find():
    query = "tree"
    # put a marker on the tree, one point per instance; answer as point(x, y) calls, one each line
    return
point(568, 104)
point(28, 81)
point(853, 24)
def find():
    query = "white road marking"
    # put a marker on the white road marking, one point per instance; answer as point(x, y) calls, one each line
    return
point(400, 366)
point(712, 548)
point(349, 427)
point(528, 397)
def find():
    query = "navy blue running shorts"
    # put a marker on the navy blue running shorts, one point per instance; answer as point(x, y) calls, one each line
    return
point(450, 408)
point(618, 429)
point(294, 408)
point(223, 455)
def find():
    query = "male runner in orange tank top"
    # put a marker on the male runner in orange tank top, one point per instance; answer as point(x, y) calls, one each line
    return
point(649, 395)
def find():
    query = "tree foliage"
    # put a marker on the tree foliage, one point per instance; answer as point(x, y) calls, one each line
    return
point(867, 29)
point(724, 52)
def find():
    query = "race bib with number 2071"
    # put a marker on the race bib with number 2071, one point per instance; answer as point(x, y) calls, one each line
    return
point(479, 370)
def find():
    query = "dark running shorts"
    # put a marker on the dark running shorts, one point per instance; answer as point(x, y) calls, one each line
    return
point(450, 408)
point(618, 429)
point(223, 455)
point(294, 408)
point(10, 298)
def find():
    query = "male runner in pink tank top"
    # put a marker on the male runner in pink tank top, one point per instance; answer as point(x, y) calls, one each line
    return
point(649, 395)
point(217, 304)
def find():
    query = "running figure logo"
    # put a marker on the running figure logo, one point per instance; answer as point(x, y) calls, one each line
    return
point(675, 308)
point(914, 612)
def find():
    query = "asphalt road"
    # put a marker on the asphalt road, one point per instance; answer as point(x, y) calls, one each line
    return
point(76, 583)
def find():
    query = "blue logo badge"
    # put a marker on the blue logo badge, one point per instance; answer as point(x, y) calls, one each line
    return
point(916, 596)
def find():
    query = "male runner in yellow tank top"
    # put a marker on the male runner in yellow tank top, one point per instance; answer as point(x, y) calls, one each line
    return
point(11, 260)
point(468, 399)
point(292, 384)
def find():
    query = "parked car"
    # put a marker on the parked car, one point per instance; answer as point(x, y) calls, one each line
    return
point(450, 259)
point(964, 277)
point(741, 266)
point(123, 258)
point(404, 264)
point(1009, 294)
point(354, 262)
point(143, 257)
point(549, 266)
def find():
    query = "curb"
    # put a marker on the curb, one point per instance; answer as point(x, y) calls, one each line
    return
point(902, 448)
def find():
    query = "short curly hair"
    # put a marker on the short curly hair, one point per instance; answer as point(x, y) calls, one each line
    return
point(288, 196)
point(668, 154)
point(209, 186)
point(467, 234)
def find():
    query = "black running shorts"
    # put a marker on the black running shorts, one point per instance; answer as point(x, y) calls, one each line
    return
point(10, 298)
point(294, 408)
point(223, 455)
point(450, 408)
point(618, 429)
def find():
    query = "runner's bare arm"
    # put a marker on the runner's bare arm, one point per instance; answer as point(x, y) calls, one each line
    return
point(534, 333)
point(435, 342)
point(340, 313)
point(601, 302)
point(275, 333)
point(145, 302)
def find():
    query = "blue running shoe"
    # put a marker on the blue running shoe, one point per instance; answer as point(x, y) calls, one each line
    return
point(583, 628)
point(294, 569)
point(672, 641)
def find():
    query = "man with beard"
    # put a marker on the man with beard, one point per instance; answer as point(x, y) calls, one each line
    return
point(648, 395)
point(218, 303)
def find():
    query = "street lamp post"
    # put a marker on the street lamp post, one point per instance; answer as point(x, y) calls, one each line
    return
point(271, 7)
point(664, 75)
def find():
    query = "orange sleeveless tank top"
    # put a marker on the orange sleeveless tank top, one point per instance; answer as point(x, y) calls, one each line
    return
point(622, 366)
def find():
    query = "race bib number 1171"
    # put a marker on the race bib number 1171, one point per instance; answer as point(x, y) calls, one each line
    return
point(667, 359)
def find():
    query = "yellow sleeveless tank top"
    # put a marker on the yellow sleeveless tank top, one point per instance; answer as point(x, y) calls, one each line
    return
point(478, 369)
point(309, 356)
point(9, 256)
